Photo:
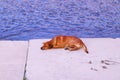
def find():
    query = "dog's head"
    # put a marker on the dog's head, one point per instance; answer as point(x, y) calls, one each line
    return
point(46, 45)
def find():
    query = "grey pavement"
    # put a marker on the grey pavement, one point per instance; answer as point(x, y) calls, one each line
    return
point(12, 59)
point(102, 63)
point(25, 60)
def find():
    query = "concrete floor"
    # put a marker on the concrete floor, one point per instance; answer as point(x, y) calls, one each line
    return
point(102, 62)
point(12, 59)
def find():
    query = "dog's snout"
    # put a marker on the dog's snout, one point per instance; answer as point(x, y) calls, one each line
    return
point(41, 48)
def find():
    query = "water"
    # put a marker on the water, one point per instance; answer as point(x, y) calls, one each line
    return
point(35, 19)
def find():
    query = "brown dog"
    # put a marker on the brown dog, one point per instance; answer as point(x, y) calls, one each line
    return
point(67, 42)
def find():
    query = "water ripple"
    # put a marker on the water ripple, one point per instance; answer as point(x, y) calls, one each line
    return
point(24, 19)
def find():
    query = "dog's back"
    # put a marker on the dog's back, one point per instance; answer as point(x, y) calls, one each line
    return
point(59, 41)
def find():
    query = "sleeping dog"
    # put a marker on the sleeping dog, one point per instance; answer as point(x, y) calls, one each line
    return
point(67, 42)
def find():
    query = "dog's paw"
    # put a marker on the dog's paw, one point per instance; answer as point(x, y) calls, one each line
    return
point(66, 48)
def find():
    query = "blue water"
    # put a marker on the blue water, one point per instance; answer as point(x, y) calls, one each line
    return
point(35, 19)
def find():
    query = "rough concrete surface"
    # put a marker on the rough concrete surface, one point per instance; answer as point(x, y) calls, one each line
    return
point(12, 59)
point(102, 62)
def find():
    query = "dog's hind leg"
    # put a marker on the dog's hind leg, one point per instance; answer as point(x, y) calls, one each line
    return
point(71, 48)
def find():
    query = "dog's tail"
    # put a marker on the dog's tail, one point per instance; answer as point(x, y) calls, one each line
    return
point(85, 48)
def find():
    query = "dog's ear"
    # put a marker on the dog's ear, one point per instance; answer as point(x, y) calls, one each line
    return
point(50, 46)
